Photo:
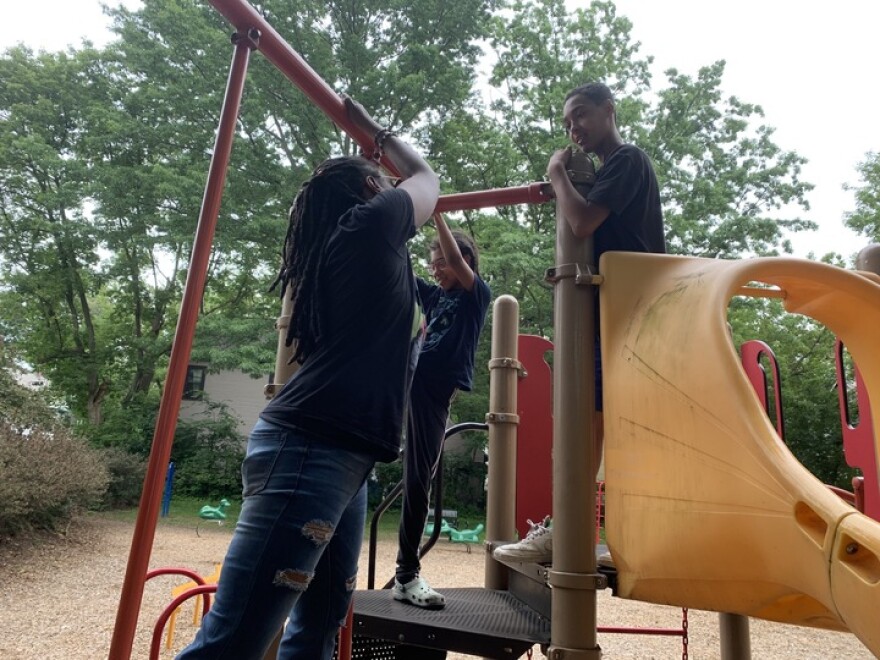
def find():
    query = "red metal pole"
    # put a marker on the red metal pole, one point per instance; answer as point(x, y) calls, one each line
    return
point(148, 512)
point(530, 194)
point(244, 17)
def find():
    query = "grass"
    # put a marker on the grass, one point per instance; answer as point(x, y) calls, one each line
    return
point(184, 512)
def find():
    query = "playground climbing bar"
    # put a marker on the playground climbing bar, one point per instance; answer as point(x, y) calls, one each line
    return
point(148, 511)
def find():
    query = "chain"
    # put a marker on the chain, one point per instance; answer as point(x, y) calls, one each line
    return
point(684, 633)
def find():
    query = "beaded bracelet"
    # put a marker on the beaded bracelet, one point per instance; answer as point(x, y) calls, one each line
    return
point(379, 140)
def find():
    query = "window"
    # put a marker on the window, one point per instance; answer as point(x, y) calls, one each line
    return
point(194, 387)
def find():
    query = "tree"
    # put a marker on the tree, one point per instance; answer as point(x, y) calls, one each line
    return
point(99, 202)
point(866, 218)
point(722, 177)
point(48, 243)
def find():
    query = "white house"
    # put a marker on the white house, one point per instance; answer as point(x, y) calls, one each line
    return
point(242, 394)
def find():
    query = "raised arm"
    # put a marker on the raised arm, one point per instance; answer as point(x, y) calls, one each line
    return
point(420, 181)
point(452, 254)
point(583, 217)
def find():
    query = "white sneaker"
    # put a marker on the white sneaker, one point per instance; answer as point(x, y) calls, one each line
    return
point(605, 559)
point(537, 546)
point(419, 593)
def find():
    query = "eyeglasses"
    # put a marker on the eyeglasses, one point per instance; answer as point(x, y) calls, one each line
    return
point(439, 264)
point(393, 181)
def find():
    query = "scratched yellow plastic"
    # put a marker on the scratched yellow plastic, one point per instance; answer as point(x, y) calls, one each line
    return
point(706, 508)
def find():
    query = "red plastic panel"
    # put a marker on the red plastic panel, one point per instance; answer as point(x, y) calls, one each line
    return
point(858, 439)
point(534, 462)
point(751, 353)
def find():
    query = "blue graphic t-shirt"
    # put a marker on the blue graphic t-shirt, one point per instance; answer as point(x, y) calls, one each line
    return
point(455, 319)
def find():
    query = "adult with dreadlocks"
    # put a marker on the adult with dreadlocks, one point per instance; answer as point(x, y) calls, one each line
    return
point(358, 329)
point(455, 308)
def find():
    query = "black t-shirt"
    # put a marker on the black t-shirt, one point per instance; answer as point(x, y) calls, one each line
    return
point(627, 185)
point(352, 389)
point(455, 319)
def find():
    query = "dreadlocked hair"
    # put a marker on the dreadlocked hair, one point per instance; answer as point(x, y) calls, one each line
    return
point(466, 245)
point(336, 186)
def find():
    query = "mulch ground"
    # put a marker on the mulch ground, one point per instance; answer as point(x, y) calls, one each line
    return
point(59, 595)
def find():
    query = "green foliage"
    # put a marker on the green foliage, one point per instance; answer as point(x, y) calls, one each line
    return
point(126, 472)
point(464, 477)
point(388, 475)
point(103, 155)
point(207, 455)
point(47, 473)
point(866, 218)
point(723, 178)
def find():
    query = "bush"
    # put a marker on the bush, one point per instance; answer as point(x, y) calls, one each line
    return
point(464, 482)
point(126, 471)
point(46, 472)
point(207, 455)
point(463, 479)
point(387, 476)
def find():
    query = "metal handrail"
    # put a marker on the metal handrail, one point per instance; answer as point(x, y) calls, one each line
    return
point(438, 505)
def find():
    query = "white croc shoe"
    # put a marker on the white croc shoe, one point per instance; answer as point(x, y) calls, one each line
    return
point(419, 593)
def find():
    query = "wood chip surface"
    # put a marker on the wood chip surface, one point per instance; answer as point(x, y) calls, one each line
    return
point(58, 599)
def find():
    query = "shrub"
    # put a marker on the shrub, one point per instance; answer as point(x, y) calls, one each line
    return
point(463, 481)
point(126, 472)
point(207, 455)
point(46, 472)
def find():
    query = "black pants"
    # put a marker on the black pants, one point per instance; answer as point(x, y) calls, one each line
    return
point(428, 413)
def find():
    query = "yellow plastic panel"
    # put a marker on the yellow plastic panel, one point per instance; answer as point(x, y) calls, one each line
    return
point(706, 507)
point(855, 578)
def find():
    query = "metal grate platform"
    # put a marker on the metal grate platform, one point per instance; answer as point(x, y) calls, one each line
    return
point(481, 622)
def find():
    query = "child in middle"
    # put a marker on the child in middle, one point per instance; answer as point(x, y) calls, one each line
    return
point(455, 309)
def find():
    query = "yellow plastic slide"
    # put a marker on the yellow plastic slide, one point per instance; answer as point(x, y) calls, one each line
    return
point(706, 508)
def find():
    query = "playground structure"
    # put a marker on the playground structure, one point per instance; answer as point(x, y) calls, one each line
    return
point(707, 509)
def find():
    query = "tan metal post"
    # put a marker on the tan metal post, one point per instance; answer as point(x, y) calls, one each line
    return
point(573, 576)
point(868, 259)
point(735, 641)
point(283, 370)
point(283, 373)
point(502, 420)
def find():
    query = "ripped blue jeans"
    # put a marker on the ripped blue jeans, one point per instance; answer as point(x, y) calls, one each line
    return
point(294, 552)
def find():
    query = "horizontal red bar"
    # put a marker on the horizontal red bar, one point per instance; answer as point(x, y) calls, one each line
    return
point(643, 631)
point(530, 194)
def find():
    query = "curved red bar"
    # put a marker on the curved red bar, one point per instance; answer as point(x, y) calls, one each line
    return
point(156, 642)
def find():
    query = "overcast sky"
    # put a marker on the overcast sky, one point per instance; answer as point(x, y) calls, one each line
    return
point(811, 66)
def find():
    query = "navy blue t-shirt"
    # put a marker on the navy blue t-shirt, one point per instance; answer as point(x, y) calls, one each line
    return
point(455, 319)
point(626, 184)
point(352, 390)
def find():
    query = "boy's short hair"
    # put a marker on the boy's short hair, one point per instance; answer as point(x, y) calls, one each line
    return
point(595, 91)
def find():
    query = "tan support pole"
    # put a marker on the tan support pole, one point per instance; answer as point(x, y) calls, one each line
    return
point(868, 259)
point(283, 373)
point(502, 420)
point(735, 641)
point(283, 370)
point(573, 576)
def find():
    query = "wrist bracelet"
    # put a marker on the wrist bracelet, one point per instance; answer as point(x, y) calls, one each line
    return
point(379, 140)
